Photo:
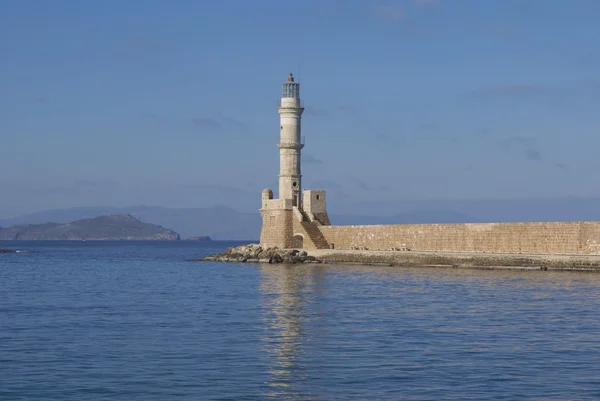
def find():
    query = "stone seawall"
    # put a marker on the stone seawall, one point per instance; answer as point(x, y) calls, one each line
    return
point(254, 253)
point(568, 238)
point(460, 260)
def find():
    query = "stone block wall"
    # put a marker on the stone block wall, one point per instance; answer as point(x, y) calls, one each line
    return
point(277, 228)
point(532, 238)
point(299, 229)
point(280, 226)
point(315, 206)
point(589, 238)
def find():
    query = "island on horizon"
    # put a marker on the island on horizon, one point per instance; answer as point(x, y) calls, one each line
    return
point(203, 238)
point(114, 227)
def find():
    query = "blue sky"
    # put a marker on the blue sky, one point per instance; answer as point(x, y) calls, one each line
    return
point(173, 103)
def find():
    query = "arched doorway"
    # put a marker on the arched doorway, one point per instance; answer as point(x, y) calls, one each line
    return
point(298, 242)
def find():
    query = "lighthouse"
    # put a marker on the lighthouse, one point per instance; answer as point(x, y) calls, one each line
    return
point(293, 219)
point(290, 142)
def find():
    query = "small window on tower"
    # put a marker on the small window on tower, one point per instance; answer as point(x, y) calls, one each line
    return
point(318, 197)
point(294, 184)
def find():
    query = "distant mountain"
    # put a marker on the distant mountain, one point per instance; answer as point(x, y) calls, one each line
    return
point(218, 222)
point(110, 227)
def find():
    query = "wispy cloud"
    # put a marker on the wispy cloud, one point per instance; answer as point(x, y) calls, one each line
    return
point(511, 141)
point(591, 88)
point(325, 184)
point(526, 144)
point(560, 166)
point(348, 109)
point(218, 124)
point(533, 155)
point(76, 187)
point(502, 30)
point(207, 123)
point(510, 91)
point(426, 3)
point(367, 186)
point(94, 183)
point(330, 112)
point(233, 122)
point(591, 59)
point(310, 159)
point(483, 132)
point(529, 148)
point(144, 45)
point(386, 139)
point(555, 97)
point(57, 190)
point(316, 112)
point(389, 12)
point(359, 120)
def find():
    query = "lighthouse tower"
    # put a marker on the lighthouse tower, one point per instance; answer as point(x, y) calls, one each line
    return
point(292, 221)
point(290, 142)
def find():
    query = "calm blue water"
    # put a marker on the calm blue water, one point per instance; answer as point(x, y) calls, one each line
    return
point(135, 321)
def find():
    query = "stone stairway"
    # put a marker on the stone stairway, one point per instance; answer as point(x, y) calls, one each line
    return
point(314, 233)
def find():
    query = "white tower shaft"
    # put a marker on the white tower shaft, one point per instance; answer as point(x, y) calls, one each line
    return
point(290, 143)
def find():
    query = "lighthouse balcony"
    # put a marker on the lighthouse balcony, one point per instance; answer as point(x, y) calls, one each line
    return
point(290, 145)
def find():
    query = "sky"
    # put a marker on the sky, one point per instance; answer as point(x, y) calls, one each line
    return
point(173, 104)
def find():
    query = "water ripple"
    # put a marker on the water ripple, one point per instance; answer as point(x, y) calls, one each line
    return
point(135, 321)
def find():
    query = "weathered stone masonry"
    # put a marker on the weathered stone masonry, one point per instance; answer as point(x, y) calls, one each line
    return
point(570, 238)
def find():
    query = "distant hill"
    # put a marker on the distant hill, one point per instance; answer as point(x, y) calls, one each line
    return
point(218, 222)
point(109, 227)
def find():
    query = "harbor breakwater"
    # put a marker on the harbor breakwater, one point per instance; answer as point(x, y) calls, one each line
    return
point(254, 253)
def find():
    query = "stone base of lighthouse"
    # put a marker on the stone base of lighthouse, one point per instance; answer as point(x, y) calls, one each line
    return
point(287, 226)
point(277, 228)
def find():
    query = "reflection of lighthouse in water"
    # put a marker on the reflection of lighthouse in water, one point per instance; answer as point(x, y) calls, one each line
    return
point(287, 294)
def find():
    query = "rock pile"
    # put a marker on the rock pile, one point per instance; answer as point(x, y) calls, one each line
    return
point(254, 253)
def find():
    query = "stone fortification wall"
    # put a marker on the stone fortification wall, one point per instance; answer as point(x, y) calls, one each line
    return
point(534, 238)
point(281, 229)
point(277, 228)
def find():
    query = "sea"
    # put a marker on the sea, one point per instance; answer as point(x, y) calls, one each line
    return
point(100, 320)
